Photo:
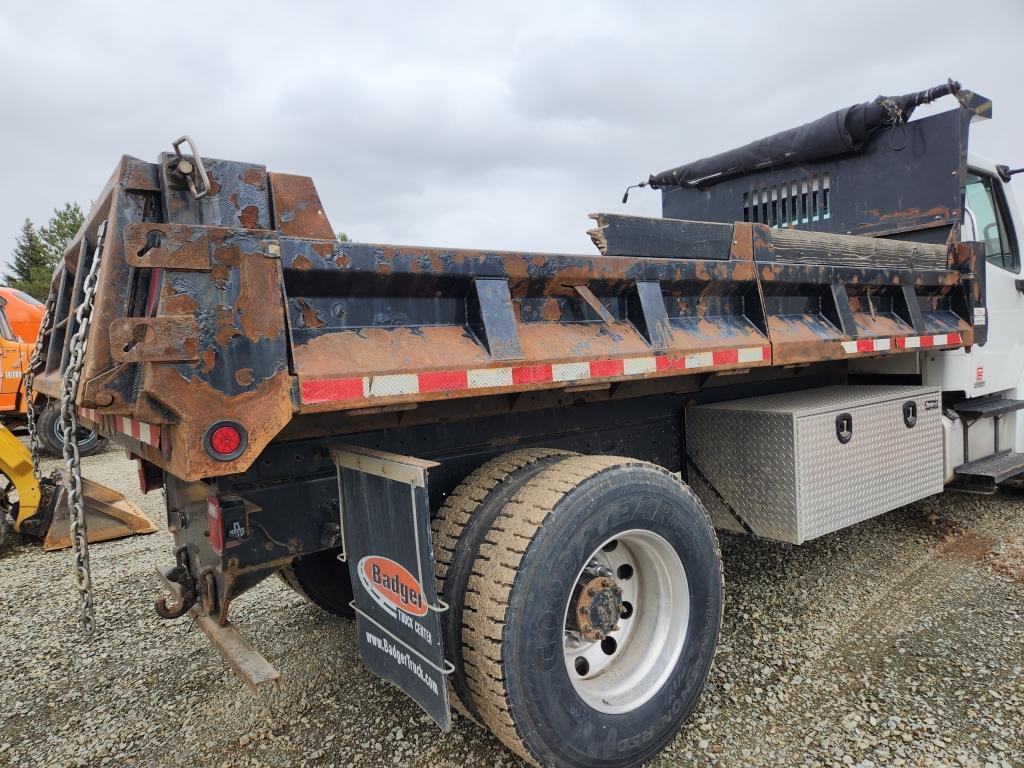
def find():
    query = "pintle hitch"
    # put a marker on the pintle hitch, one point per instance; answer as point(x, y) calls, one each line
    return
point(182, 576)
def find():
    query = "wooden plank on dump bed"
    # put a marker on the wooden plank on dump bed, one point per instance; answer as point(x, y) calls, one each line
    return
point(794, 246)
point(248, 663)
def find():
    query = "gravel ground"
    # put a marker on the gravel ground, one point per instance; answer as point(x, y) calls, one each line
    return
point(897, 642)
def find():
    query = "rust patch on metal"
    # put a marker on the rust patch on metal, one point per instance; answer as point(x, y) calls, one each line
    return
point(224, 319)
point(175, 246)
point(310, 317)
point(173, 303)
point(253, 177)
point(871, 327)
point(250, 216)
point(797, 339)
point(898, 220)
point(297, 208)
point(301, 262)
point(244, 377)
point(140, 176)
point(259, 303)
point(220, 274)
point(228, 254)
point(742, 242)
point(263, 412)
point(209, 359)
point(551, 310)
point(154, 339)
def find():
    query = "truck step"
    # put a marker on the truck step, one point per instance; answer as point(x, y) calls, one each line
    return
point(982, 409)
point(983, 475)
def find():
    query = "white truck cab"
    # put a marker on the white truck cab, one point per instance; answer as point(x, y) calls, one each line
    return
point(995, 369)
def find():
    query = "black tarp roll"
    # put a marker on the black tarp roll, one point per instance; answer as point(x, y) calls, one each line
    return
point(837, 133)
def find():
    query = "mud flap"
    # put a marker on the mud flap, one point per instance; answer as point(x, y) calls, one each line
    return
point(385, 526)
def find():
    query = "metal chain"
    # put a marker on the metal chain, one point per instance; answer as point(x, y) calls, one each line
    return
point(30, 377)
point(69, 425)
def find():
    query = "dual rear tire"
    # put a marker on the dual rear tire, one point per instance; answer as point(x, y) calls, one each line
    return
point(586, 599)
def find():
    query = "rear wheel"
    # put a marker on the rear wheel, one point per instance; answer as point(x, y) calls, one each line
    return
point(51, 434)
point(323, 580)
point(459, 527)
point(596, 604)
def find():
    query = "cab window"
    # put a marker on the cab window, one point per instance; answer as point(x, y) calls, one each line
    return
point(985, 206)
point(28, 299)
point(5, 327)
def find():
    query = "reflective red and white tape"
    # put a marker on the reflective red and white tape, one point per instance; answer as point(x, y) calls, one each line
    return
point(138, 430)
point(393, 385)
point(866, 346)
point(926, 342)
point(862, 346)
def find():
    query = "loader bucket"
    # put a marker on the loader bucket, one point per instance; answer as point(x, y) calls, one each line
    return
point(109, 515)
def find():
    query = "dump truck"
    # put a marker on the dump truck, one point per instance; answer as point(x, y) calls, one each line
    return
point(509, 467)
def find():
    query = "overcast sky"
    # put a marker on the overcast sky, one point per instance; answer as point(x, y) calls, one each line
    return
point(483, 124)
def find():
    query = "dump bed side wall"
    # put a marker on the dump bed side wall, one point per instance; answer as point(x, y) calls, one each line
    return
point(240, 307)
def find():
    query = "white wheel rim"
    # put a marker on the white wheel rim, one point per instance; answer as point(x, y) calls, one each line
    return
point(631, 664)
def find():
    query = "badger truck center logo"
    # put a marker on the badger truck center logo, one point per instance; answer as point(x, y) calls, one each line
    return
point(391, 586)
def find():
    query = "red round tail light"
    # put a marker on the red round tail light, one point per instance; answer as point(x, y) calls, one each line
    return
point(225, 440)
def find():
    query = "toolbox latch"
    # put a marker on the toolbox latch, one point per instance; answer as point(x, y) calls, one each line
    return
point(844, 428)
point(910, 413)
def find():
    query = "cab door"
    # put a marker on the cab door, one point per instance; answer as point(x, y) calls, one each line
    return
point(12, 364)
point(998, 365)
point(995, 368)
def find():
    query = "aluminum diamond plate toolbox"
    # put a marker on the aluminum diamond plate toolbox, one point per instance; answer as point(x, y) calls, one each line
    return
point(798, 465)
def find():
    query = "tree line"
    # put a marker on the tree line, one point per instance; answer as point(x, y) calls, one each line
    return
point(38, 250)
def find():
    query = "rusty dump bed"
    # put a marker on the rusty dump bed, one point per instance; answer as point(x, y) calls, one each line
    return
point(240, 305)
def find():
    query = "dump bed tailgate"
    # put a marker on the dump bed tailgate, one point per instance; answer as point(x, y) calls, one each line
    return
point(239, 307)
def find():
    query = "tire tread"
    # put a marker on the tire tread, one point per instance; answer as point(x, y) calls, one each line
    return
point(493, 578)
point(459, 507)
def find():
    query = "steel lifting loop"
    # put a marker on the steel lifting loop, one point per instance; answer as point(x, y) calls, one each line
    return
point(188, 170)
